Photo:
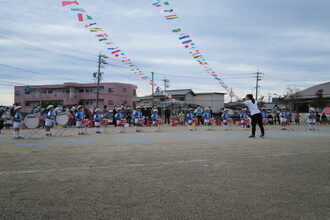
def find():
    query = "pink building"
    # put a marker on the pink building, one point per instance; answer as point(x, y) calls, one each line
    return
point(69, 94)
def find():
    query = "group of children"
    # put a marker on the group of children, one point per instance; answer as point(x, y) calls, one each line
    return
point(120, 121)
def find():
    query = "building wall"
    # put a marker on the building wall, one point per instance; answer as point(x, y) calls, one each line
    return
point(68, 94)
point(216, 101)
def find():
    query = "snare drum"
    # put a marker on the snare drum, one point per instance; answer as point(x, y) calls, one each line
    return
point(123, 121)
point(159, 121)
point(64, 118)
point(195, 120)
point(105, 121)
point(33, 121)
point(265, 120)
point(247, 120)
point(212, 120)
point(141, 121)
point(85, 122)
point(230, 120)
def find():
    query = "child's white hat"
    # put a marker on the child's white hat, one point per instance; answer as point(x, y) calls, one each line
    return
point(49, 107)
point(138, 107)
point(96, 110)
point(155, 110)
point(16, 108)
point(79, 107)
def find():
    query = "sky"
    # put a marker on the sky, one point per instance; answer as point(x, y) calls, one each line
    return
point(42, 42)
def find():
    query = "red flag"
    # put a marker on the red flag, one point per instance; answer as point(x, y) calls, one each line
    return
point(101, 35)
point(116, 51)
point(65, 3)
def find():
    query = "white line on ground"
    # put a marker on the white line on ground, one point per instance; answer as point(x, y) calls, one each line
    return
point(280, 155)
point(103, 167)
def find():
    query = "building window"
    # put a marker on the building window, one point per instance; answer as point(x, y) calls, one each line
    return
point(111, 102)
point(81, 90)
point(124, 89)
point(17, 92)
point(111, 90)
point(124, 102)
point(50, 91)
point(87, 90)
point(162, 99)
point(182, 99)
point(134, 91)
point(44, 91)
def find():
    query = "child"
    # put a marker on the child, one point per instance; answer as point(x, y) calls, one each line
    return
point(312, 119)
point(190, 118)
point(80, 115)
point(154, 118)
point(207, 117)
point(243, 117)
point(97, 121)
point(181, 117)
point(50, 119)
point(264, 116)
point(119, 117)
point(137, 117)
point(225, 117)
point(17, 122)
point(284, 118)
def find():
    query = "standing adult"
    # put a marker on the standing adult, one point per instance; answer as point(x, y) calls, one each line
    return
point(167, 116)
point(297, 118)
point(129, 115)
point(256, 116)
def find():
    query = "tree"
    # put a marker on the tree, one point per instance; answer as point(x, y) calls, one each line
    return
point(319, 101)
point(290, 98)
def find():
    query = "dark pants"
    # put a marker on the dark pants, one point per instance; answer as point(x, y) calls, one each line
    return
point(257, 118)
point(167, 120)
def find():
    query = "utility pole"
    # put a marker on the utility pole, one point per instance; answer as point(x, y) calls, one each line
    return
point(98, 76)
point(258, 76)
point(269, 96)
point(166, 83)
point(152, 88)
point(231, 97)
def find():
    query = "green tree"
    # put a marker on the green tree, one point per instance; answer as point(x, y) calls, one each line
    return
point(319, 101)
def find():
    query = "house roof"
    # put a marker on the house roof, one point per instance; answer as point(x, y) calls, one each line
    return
point(310, 92)
point(176, 92)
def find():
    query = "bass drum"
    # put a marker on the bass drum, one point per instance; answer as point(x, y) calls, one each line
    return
point(32, 121)
point(64, 118)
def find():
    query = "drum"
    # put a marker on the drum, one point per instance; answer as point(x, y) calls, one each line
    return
point(105, 121)
point(247, 120)
point(265, 120)
point(141, 121)
point(230, 120)
point(64, 118)
point(85, 122)
point(212, 120)
point(123, 121)
point(195, 120)
point(33, 121)
point(159, 121)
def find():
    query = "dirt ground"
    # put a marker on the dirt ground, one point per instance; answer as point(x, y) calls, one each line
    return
point(173, 174)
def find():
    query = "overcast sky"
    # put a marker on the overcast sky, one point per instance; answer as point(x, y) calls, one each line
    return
point(286, 40)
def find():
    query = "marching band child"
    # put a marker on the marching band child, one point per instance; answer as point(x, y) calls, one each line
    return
point(17, 122)
point(225, 117)
point(154, 118)
point(190, 118)
point(207, 117)
point(119, 117)
point(264, 116)
point(50, 119)
point(243, 117)
point(312, 119)
point(137, 117)
point(80, 115)
point(97, 121)
point(284, 118)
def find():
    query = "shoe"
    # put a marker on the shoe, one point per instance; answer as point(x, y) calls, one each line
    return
point(252, 136)
point(98, 132)
point(19, 137)
point(262, 136)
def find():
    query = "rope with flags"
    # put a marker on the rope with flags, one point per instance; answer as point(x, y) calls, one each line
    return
point(111, 47)
point(189, 44)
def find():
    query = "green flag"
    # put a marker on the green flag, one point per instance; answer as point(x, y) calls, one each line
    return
point(166, 3)
point(176, 30)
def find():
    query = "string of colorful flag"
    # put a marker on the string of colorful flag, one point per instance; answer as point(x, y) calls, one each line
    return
point(189, 44)
point(111, 47)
